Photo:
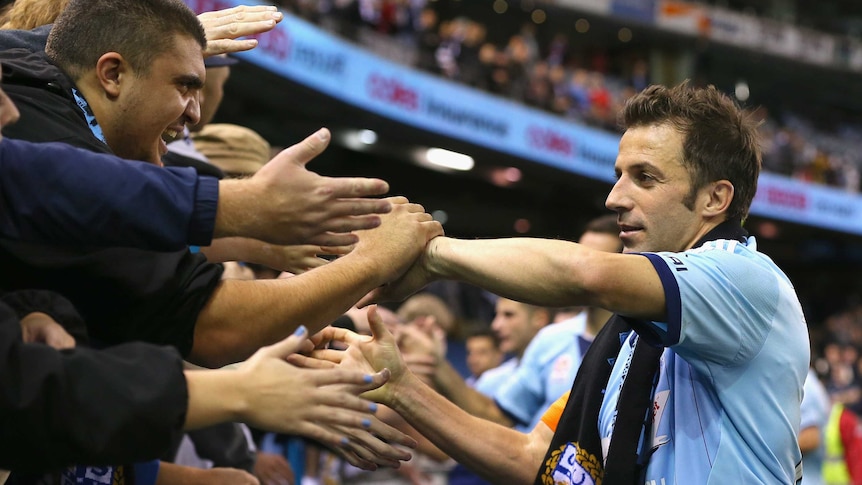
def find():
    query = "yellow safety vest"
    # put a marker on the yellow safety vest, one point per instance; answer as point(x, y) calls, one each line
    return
point(834, 464)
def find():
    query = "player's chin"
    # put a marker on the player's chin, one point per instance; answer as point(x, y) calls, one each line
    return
point(633, 240)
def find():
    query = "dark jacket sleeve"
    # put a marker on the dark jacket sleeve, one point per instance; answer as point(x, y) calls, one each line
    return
point(51, 192)
point(123, 294)
point(118, 405)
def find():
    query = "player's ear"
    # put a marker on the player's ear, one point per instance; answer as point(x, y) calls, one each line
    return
point(716, 198)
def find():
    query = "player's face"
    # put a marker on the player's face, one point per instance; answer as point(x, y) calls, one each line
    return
point(482, 354)
point(650, 194)
point(515, 325)
point(600, 241)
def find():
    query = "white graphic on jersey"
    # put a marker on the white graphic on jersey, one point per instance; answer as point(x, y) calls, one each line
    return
point(659, 406)
point(561, 368)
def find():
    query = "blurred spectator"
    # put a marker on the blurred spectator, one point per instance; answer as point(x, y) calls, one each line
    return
point(471, 72)
point(427, 40)
point(538, 91)
point(814, 411)
point(558, 50)
point(483, 353)
point(449, 50)
point(639, 78)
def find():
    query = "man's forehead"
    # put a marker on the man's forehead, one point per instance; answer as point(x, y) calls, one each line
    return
point(184, 57)
point(508, 305)
point(656, 146)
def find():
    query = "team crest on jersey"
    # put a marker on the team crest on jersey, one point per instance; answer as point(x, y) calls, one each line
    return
point(570, 465)
point(561, 368)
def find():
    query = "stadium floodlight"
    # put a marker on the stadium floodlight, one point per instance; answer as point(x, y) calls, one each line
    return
point(741, 91)
point(367, 137)
point(449, 159)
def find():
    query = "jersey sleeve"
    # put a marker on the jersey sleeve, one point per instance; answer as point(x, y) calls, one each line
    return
point(706, 291)
point(521, 395)
point(814, 409)
point(491, 380)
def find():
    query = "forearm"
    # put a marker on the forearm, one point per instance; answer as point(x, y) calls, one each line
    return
point(513, 457)
point(424, 445)
point(242, 316)
point(552, 273)
point(450, 383)
point(172, 474)
point(237, 214)
point(235, 249)
point(294, 259)
point(809, 439)
point(537, 271)
point(204, 409)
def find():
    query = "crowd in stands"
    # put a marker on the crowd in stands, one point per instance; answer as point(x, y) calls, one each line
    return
point(838, 359)
point(584, 86)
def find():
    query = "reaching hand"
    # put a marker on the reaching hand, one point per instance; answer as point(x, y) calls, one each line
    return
point(293, 258)
point(235, 271)
point(423, 336)
point(224, 476)
point(8, 111)
point(363, 352)
point(423, 348)
point(284, 203)
point(299, 258)
point(188, 475)
point(380, 445)
point(224, 27)
point(321, 404)
point(38, 327)
point(273, 469)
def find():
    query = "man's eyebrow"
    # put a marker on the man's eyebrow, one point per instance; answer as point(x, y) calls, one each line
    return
point(190, 80)
point(645, 166)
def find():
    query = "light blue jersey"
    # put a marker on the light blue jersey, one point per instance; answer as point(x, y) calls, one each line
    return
point(815, 412)
point(492, 379)
point(547, 370)
point(727, 402)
